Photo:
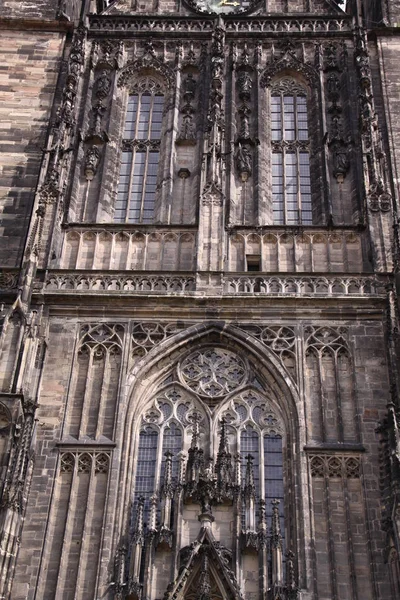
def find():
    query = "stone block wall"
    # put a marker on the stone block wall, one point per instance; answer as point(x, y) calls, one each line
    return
point(28, 76)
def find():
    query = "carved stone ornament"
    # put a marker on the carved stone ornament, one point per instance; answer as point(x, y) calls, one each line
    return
point(223, 7)
point(213, 372)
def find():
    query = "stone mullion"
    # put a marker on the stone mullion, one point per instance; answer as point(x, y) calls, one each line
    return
point(103, 396)
point(331, 545)
point(340, 428)
point(85, 531)
point(86, 395)
point(67, 534)
point(322, 402)
point(350, 545)
point(46, 552)
point(103, 556)
point(171, 146)
point(368, 520)
point(354, 397)
point(79, 251)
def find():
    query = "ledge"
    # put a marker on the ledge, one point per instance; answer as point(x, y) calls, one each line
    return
point(234, 24)
point(336, 447)
point(285, 285)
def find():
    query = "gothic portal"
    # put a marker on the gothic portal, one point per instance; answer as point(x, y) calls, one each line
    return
point(199, 374)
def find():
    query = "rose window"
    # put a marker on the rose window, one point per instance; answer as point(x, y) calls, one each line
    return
point(213, 372)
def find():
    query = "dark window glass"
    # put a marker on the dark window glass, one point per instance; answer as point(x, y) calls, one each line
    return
point(139, 165)
point(291, 184)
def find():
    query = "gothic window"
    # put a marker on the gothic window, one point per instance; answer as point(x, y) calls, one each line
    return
point(291, 182)
point(177, 422)
point(161, 433)
point(140, 154)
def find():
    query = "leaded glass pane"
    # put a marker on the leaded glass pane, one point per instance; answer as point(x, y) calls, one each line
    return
point(137, 182)
point(172, 441)
point(146, 466)
point(273, 475)
point(249, 444)
point(291, 182)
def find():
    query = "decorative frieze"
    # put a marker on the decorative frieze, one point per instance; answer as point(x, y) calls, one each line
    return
point(147, 335)
point(335, 465)
point(84, 462)
point(257, 25)
point(84, 282)
point(304, 286)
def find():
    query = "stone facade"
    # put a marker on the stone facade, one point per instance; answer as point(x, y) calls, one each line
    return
point(204, 402)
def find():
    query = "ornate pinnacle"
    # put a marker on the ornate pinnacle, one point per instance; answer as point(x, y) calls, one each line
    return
point(167, 487)
point(276, 535)
point(204, 592)
point(223, 439)
point(290, 576)
point(238, 470)
point(249, 488)
point(138, 530)
point(262, 521)
point(262, 526)
point(195, 431)
point(153, 513)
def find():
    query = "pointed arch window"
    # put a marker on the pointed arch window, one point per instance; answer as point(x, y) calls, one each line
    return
point(291, 181)
point(140, 154)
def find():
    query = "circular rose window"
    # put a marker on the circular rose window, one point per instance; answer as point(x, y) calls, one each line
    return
point(213, 372)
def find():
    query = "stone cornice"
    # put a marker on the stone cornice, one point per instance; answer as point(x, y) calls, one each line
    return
point(54, 26)
point(234, 25)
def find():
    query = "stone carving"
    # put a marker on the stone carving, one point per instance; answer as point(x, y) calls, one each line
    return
point(280, 339)
point(304, 286)
point(261, 24)
point(120, 283)
point(244, 140)
point(91, 162)
point(213, 372)
point(187, 132)
point(288, 60)
point(8, 279)
point(243, 162)
point(322, 338)
point(82, 462)
point(335, 466)
point(148, 61)
point(379, 198)
point(337, 143)
point(101, 336)
point(147, 335)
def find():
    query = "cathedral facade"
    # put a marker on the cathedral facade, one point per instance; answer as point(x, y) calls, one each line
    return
point(199, 374)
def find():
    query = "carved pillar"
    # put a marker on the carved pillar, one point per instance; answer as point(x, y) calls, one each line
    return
point(137, 544)
point(276, 547)
point(15, 495)
point(211, 219)
point(376, 179)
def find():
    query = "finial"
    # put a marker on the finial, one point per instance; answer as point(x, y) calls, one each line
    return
point(276, 535)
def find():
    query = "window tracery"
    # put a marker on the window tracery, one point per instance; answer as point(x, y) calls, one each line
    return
point(140, 152)
point(209, 438)
point(291, 180)
point(213, 372)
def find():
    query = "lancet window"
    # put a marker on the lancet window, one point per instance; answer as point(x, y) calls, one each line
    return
point(291, 181)
point(140, 154)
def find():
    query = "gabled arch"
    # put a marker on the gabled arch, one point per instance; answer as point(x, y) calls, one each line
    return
point(147, 66)
point(286, 65)
point(150, 371)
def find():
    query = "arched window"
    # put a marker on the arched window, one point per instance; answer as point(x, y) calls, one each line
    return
point(291, 183)
point(140, 154)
